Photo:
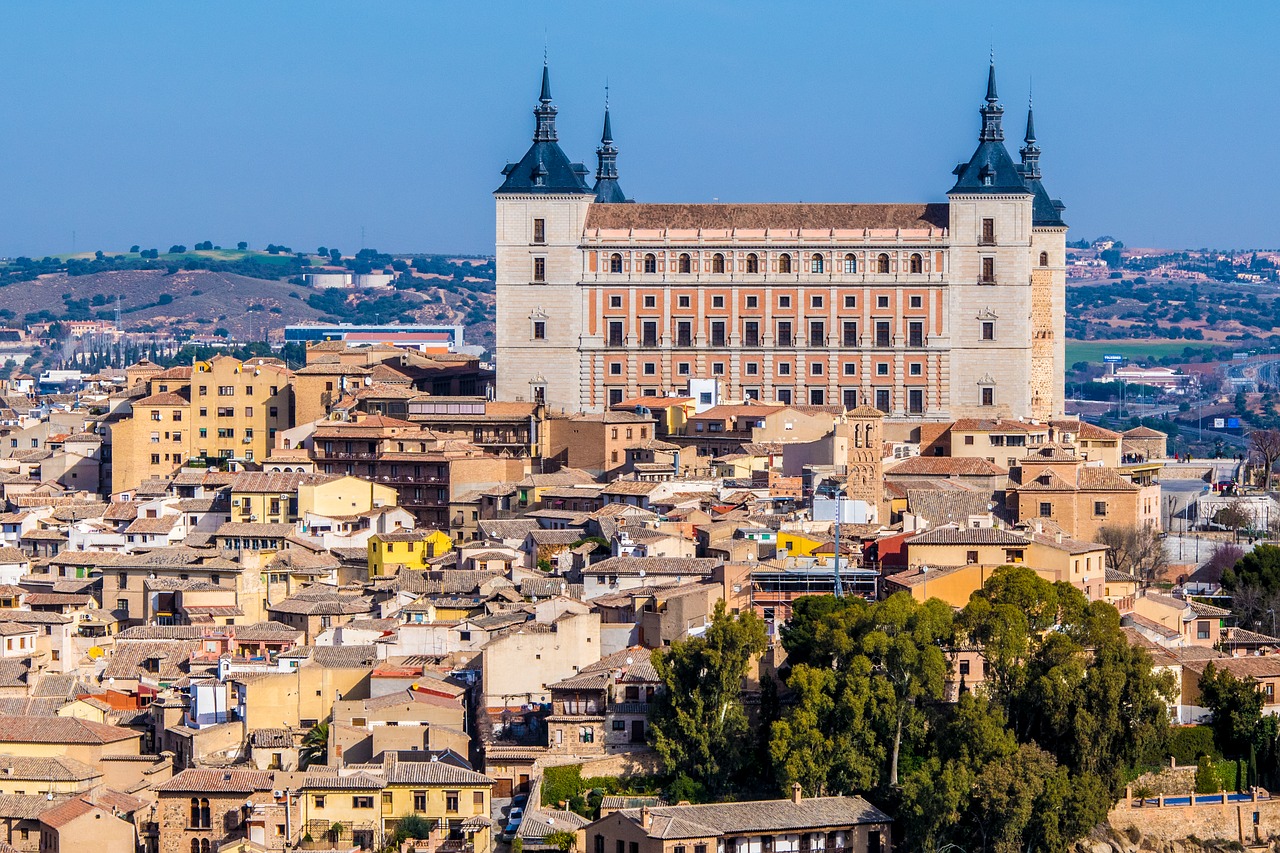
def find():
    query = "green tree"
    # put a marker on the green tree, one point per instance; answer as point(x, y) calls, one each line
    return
point(1207, 779)
point(1260, 568)
point(1236, 706)
point(565, 842)
point(698, 725)
point(315, 746)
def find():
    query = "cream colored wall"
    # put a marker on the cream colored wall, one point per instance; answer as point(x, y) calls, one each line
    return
point(517, 667)
point(344, 496)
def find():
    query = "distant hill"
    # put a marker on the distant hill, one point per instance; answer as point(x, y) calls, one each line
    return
point(196, 301)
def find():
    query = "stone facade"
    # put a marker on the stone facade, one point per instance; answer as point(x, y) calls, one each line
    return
point(928, 312)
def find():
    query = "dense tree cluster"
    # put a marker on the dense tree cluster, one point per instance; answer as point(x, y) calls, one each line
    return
point(871, 703)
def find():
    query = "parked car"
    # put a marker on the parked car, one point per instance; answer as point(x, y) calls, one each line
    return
point(513, 819)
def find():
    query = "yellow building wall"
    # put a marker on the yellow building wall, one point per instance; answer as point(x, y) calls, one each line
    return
point(251, 398)
point(798, 545)
point(344, 496)
point(411, 555)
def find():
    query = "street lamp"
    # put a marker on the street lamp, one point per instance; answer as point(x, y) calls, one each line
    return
point(839, 587)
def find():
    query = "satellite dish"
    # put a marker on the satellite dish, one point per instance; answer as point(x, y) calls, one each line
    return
point(642, 573)
point(628, 661)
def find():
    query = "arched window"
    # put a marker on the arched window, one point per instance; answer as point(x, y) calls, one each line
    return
point(882, 263)
point(784, 263)
point(917, 263)
point(650, 262)
point(195, 811)
point(195, 845)
point(204, 845)
point(753, 263)
point(1044, 259)
point(686, 265)
point(850, 264)
point(717, 262)
point(615, 262)
point(815, 263)
point(204, 814)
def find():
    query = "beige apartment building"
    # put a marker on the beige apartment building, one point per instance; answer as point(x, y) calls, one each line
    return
point(927, 311)
point(221, 409)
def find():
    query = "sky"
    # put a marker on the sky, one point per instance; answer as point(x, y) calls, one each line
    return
point(307, 123)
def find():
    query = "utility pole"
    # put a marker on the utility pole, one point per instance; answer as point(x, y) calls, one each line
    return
point(839, 588)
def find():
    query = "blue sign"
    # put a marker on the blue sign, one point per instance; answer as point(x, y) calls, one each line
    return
point(1233, 423)
point(1113, 359)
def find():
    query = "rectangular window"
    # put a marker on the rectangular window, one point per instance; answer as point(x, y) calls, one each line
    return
point(651, 302)
point(988, 271)
point(684, 333)
point(784, 301)
point(1046, 509)
point(915, 334)
point(650, 369)
point(915, 368)
point(682, 369)
point(683, 301)
point(784, 369)
point(717, 302)
point(784, 333)
point(851, 302)
point(539, 230)
point(988, 396)
point(917, 302)
point(782, 395)
point(849, 334)
point(815, 369)
point(450, 801)
point(752, 368)
point(717, 368)
point(882, 302)
point(751, 333)
point(362, 802)
point(882, 399)
point(850, 396)
point(882, 369)
point(817, 397)
point(915, 401)
point(988, 331)
point(615, 301)
point(817, 333)
point(615, 333)
point(971, 557)
point(1202, 632)
point(988, 232)
point(882, 333)
point(815, 301)
point(539, 269)
point(850, 368)
point(226, 391)
point(1099, 507)
point(717, 333)
point(649, 333)
point(539, 330)
point(753, 302)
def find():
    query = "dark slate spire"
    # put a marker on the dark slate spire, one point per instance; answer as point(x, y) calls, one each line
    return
point(990, 169)
point(991, 112)
point(1030, 151)
point(544, 168)
point(1045, 212)
point(607, 189)
point(545, 112)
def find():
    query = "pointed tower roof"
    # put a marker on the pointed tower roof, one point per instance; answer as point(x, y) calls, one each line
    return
point(990, 169)
point(545, 168)
point(607, 189)
point(1045, 212)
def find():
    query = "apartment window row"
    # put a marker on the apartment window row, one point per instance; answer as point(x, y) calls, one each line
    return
point(751, 302)
point(785, 334)
point(881, 398)
point(784, 263)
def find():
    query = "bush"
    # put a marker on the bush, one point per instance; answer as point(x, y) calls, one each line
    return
point(1188, 743)
point(561, 783)
point(1207, 779)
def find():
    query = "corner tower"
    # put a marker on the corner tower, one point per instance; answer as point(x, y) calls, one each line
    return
point(990, 276)
point(541, 208)
point(1048, 284)
point(607, 189)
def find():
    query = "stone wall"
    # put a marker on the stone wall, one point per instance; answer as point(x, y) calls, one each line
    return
point(1245, 822)
point(1170, 781)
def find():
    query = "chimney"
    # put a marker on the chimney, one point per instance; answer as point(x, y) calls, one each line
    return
point(645, 817)
point(795, 792)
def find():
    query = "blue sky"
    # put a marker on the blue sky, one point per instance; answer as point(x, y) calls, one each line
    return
point(302, 122)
